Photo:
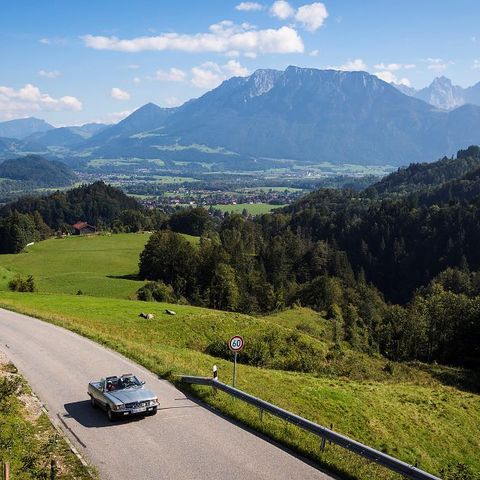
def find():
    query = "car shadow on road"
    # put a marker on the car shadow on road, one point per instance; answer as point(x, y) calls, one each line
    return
point(89, 417)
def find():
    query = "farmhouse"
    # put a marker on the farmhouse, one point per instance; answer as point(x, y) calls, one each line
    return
point(83, 228)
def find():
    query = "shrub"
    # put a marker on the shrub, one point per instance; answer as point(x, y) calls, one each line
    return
point(19, 284)
point(156, 292)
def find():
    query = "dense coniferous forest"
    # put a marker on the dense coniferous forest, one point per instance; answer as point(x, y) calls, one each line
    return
point(395, 268)
point(37, 171)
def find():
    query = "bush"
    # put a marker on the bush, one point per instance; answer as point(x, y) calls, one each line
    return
point(19, 284)
point(156, 292)
point(292, 352)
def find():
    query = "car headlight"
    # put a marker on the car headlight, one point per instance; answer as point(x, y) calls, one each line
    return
point(154, 401)
point(119, 407)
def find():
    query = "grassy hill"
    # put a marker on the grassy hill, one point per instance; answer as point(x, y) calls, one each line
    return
point(419, 413)
point(99, 265)
point(407, 412)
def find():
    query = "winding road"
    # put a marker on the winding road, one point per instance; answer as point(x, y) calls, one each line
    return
point(183, 441)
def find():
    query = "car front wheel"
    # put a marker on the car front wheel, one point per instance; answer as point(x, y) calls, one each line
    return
point(93, 403)
point(110, 414)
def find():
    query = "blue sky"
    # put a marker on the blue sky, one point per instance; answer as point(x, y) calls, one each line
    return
point(72, 62)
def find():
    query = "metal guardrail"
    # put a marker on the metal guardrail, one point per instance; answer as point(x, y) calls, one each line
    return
point(408, 471)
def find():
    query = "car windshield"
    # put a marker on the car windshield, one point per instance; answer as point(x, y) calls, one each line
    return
point(130, 381)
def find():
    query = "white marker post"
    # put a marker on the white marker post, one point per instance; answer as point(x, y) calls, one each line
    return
point(235, 344)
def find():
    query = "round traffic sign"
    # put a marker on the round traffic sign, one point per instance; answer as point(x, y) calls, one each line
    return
point(236, 343)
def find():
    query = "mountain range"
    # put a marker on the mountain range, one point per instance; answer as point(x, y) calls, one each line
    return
point(272, 118)
point(442, 93)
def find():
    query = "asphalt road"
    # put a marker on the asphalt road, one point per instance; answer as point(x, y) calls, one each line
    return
point(183, 441)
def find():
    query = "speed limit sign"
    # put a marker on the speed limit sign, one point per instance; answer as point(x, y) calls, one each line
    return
point(236, 343)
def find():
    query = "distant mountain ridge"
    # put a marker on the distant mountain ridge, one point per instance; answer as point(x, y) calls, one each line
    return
point(442, 93)
point(273, 118)
point(23, 127)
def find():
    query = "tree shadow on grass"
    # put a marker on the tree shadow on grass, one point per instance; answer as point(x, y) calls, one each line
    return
point(128, 276)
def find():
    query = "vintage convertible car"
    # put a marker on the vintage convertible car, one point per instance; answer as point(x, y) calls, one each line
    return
point(122, 396)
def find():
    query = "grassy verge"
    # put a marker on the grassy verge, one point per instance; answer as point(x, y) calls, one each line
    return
point(28, 441)
point(410, 415)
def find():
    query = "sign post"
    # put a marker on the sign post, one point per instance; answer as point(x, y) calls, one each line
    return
point(235, 344)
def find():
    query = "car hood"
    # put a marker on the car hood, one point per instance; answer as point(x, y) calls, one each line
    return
point(132, 395)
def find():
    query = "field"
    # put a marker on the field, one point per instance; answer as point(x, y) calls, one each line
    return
point(97, 265)
point(252, 208)
point(422, 414)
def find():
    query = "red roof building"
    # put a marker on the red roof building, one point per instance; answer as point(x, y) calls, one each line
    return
point(83, 228)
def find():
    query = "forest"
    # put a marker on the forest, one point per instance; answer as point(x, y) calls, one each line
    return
point(395, 267)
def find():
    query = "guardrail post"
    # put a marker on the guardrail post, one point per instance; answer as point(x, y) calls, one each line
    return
point(322, 445)
point(260, 414)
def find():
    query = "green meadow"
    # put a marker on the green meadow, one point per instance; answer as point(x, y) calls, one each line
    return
point(422, 414)
point(251, 208)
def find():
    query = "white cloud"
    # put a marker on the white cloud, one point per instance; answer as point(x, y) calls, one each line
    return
point(476, 64)
point(314, 53)
point(49, 74)
point(388, 72)
point(119, 94)
point(352, 66)
point(171, 75)
point(394, 67)
point(115, 117)
point(249, 7)
point(133, 66)
point(29, 99)
point(437, 64)
point(53, 41)
point(173, 101)
point(222, 37)
point(209, 75)
point(312, 16)
point(137, 79)
point(282, 10)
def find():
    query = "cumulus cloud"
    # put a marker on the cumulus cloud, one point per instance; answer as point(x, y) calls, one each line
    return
point(312, 16)
point(119, 94)
point(209, 75)
point(249, 7)
point(352, 66)
point(171, 75)
point(173, 101)
point(115, 117)
point(389, 77)
point(394, 67)
point(437, 64)
point(385, 71)
point(222, 37)
point(282, 9)
point(29, 99)
point(49, 74)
